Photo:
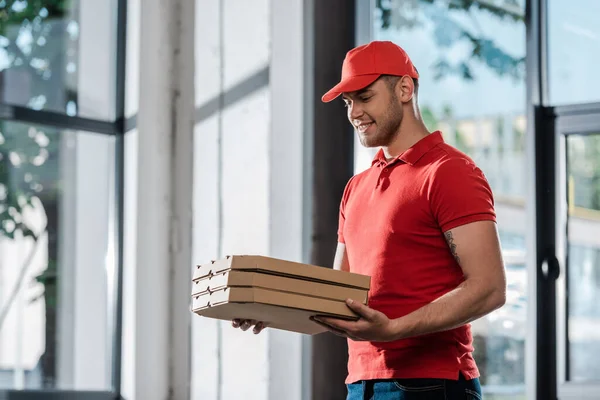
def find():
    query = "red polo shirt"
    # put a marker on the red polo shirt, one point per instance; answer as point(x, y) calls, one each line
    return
point(392, 220)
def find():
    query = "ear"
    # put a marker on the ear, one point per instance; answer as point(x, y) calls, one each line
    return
point(406, 89)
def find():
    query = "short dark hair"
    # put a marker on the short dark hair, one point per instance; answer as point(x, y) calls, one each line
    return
point(392, 80)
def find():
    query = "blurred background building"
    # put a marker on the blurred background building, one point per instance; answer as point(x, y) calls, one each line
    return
point(141, 137)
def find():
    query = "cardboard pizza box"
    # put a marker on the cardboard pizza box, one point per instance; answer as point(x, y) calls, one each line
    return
point(283, 294)
point(246, 278)
point(279, 310)
point(280, 267)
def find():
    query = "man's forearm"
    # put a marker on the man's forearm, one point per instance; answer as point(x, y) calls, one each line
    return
point(462, 305)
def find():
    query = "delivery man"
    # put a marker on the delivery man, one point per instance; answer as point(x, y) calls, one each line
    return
point(421, 222)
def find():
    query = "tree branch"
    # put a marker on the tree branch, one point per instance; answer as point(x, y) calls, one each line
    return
point(513, 11)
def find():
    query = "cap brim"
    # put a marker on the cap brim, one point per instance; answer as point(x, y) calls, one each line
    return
point(349, 85)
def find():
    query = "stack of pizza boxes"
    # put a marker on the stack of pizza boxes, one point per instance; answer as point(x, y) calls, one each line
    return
point(283, 294)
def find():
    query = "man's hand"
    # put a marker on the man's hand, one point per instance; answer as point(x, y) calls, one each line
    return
point(245, 324)
point(373, 326)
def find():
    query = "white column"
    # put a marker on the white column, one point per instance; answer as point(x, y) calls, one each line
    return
point(164, 187)
point(130, 216)
point(130, 268)
point(182, 180)
point(151, 310)
point(290, 178)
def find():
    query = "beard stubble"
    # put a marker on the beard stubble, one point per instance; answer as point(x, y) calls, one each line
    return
point(387, 126)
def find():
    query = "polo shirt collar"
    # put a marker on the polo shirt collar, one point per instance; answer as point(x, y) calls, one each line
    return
point(414, 153)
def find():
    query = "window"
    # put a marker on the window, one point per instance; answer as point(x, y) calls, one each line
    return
point(49, 63)
point(55, 192)
point(583, 263)
point(60, 191)
point(573, 48)
point(39, 55)
point(471, 59)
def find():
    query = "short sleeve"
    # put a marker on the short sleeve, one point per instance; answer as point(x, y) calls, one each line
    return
point(342, 211)
point(460, 194)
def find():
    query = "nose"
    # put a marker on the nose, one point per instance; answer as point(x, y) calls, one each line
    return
point(354, 111)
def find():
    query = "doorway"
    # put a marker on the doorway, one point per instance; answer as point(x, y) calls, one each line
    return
point(568, 246)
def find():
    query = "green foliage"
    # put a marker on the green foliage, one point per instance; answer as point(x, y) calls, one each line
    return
point(429, 118)
point(386, 10)
point(27, 158)
point(449, 31)
point(584, 169)
point(27, 155)
point(15, 12)
point(35, 37)
point(519, 135)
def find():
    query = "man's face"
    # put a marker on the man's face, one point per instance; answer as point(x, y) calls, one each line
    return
point(375, 113)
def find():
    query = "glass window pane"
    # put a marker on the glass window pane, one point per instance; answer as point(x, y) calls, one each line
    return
point(471, 59)
point(583, 269)
point(48, 62)
point(573, 51)
point(55, 258)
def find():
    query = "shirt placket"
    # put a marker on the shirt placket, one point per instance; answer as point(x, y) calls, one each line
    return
point(384, 171)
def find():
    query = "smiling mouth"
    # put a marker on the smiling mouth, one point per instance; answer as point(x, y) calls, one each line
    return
point(363, 127)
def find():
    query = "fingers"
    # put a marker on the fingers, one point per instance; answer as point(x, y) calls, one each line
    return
point(361, 309)
point(334, 330)
point(259, 327)
point(330, 328)
point(334, 323)
point(245, 324)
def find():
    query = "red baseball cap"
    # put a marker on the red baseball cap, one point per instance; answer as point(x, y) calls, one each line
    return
point(364, 64)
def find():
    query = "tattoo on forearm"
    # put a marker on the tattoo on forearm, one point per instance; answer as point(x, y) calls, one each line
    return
point(450, 240)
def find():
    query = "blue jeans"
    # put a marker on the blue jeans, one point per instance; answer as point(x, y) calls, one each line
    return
point(416, 389)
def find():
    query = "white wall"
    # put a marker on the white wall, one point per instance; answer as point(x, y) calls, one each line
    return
point(249, 181)
point(230, 184)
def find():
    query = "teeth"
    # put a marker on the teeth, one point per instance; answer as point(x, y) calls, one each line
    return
point(363, 127)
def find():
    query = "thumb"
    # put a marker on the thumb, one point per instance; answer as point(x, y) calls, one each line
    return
point(361, 309)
